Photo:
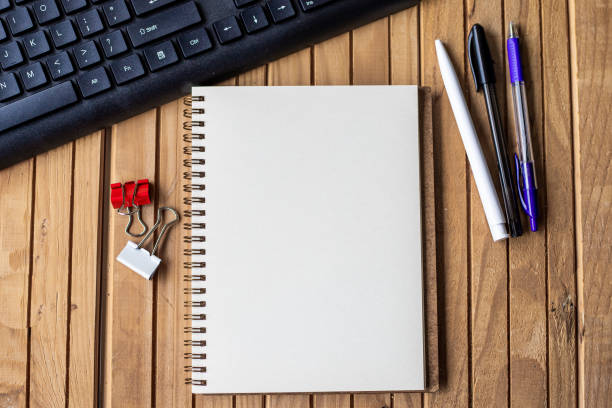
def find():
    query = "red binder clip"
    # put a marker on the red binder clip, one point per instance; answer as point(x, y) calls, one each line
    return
point(127, 199)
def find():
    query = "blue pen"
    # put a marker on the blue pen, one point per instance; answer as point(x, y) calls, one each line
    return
point(524, 161)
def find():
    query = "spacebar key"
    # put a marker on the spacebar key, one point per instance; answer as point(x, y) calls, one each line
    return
point(163, 23)
point(41, 103)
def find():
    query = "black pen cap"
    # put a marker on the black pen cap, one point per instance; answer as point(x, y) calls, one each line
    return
point(480, 57)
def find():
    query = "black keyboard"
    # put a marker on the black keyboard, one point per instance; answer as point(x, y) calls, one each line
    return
point(71, 67)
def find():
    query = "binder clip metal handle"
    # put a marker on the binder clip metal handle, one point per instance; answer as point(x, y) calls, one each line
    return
point(138, 259)
point(129, 207)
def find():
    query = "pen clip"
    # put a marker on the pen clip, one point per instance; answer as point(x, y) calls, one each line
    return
point(519, 175)
point(480, 58)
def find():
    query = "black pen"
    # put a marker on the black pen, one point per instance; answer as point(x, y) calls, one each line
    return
point(484, 77)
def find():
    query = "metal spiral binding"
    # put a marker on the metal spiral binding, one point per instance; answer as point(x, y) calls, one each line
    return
point(194, 309)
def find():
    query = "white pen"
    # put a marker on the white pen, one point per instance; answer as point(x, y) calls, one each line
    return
point(482, 176)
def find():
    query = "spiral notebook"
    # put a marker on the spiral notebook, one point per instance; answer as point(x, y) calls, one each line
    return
point(306, 240)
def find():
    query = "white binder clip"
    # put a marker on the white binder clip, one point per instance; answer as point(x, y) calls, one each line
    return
point(138, 259)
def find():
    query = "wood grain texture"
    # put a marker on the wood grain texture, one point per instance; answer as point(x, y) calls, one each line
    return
point(170, 387)
point(371, 54)
point(591, 33)
point(213, 401)
point(129, 305)
point(332, 61)
point(50, 278)
point(332, 401)
point(488, 259)
point(250, 401)
point(372, 401)
point(85, 271)
point(560, 231)
point(404, 47)
point(15, 250)
point(442, 19)
point(527, 257)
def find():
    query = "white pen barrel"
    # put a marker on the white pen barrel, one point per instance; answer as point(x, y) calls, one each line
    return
point(482, 176)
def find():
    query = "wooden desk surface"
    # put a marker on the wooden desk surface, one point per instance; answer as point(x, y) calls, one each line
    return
point(524, 323)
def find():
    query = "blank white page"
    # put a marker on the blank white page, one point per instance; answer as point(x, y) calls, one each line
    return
point(313, 240)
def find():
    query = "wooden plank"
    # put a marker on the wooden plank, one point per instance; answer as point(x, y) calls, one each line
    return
point(250, 401)
point(50, 277)
point(292, 70)
point(85, 270)
point(371, 67)
point(15, 251)
point(332, 61)
point(213, 401)
point(590, 33)
point(170, 387)
point(288, 401)
point(371, 54)
point(404, 56)
point(404, 46)
point(255, 77)
point(441, 19)
point(332, 401)
point(560, 231)
point(372, 400)
point(527, 257)
point(129, 309)
point(488, 260)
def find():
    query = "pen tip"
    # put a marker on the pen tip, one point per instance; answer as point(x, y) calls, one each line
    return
point(513, 30)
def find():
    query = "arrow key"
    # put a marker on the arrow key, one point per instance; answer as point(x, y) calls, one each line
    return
point(227, 30)
point(280, 10)
point(60, 65)
point(254, 19)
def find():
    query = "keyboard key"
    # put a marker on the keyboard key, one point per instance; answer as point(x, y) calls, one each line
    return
point(4, 4)
point(144, 6)
point(93, 82)
point(33, 76)
point(227, 30)
point(19, 20)
point(2, 32)
point(160, 56)
point(10, 55)
point(70, 6)
point(86, 54)
point(194, 42)
point(8, 87)
point(63, 33)
point(36, 44)
point(45, 11)
point(89, 23)
point(308, 5)
point(116, 12)
point(60, 65)
point(39, 104)
point(242, 3)
point(127, 69)
point(113, 44)
point(163, 23)
point(280, 10)
point(254, 19)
